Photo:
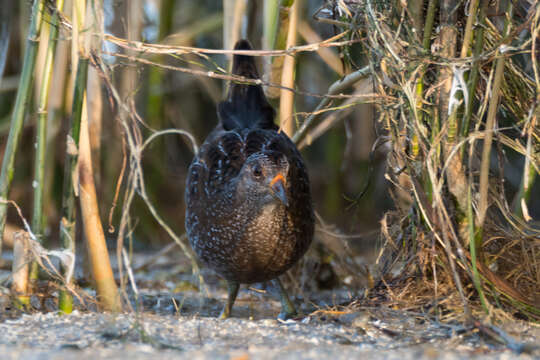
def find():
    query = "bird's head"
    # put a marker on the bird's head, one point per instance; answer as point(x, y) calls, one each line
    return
point(263, 178)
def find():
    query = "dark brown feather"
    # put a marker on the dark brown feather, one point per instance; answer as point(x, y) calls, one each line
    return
point(233, 223)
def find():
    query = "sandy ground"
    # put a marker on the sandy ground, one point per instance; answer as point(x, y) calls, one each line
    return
point(190, 334)
point(175, 321)
point(92, 336)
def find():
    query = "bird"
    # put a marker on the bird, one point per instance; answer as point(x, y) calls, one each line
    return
point(249, 211)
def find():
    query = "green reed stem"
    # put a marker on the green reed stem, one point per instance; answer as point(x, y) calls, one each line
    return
point(21, 105)
point(490, 125)
point(67, 225)
point(475, 70)
point(41, 135)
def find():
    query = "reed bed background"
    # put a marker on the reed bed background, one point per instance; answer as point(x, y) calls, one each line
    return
point(419, 122)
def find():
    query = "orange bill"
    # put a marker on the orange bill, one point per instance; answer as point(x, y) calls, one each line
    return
point(278, 187)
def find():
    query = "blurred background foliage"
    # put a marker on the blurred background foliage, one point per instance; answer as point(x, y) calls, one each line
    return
point(338, 161)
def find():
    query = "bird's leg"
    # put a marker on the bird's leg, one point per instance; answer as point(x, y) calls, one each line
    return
point(232, 289)
point(287, 308)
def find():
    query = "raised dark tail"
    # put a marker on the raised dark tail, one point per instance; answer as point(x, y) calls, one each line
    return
point(246, 105)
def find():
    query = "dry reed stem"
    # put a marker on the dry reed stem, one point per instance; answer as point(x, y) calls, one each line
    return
point(95, 120)
point(21, 268)
point(286, 102)
point(93, 228)
point(226, 76)
point(234, 13)
point(148, 48)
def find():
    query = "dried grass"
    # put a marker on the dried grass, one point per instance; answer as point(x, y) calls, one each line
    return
point(426, 260)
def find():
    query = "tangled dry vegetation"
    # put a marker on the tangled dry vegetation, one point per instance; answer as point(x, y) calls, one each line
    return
point(461, 94)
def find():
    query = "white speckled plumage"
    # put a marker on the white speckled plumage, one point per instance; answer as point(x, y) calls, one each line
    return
point(234, 222)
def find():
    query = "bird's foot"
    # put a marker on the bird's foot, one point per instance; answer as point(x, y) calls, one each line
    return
point(225, 313)
point(287, 307)
point(287, 314)
point(232, 288)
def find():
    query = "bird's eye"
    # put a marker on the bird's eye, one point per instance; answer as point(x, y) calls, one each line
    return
point(257, 171)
